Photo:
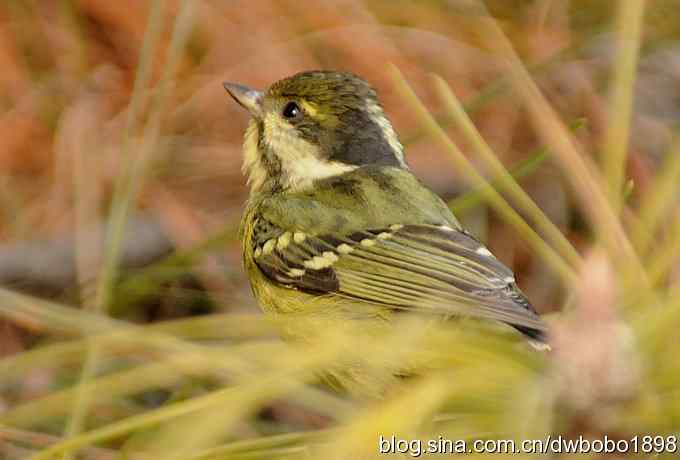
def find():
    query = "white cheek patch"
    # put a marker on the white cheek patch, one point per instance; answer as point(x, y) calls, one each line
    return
point(300, 163)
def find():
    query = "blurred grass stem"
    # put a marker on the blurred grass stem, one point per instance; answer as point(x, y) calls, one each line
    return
point(587, 183)
point(655, 203)
point(123, 194)
point(505, 180)
point(629, 30)
point(465, 169)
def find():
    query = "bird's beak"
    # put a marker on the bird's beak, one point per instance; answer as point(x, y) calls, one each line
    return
point(249, 98)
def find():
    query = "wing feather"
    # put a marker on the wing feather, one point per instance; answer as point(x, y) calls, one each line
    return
point(415, 267)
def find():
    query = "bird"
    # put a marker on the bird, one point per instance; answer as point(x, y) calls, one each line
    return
point(336, 224)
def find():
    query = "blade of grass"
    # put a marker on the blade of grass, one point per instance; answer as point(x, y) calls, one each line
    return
point(359, 438)
point(119, 384)
point(629, 29)
point(264, 445)
point(492, 381)
point(661, 261)
point(127, 189)
point(123, 194)
point(34, 440)
point(239, 400)
point(127, 183)
point(655, 331)
point(657, 200)
point(120, 343)
point(485, 95)
point(150, 418)
point(237, 362)
point(121, 334)
point(15, 306)
point(388, 353)
point(586, 181)
point(519, 171)
point(261, 386)
point(40, 314)
point(465, 168)
point(505, 180)
point(496, 88)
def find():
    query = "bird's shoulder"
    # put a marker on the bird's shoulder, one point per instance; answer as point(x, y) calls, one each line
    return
point(366, 198)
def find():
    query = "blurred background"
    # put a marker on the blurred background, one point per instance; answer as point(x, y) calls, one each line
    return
point(114, 112)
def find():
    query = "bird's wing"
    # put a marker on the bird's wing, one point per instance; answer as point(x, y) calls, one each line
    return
point(428, 268)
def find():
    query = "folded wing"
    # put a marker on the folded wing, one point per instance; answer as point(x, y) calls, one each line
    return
point(425, 268)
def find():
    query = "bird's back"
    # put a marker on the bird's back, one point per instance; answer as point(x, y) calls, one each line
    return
point(368, 197)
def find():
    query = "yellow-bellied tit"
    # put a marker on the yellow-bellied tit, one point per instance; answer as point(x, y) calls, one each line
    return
point(336, 223)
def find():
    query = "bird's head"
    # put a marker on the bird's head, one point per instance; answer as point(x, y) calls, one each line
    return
point(311, 126)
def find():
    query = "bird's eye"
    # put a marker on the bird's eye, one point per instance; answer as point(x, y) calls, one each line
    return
point(291, 110)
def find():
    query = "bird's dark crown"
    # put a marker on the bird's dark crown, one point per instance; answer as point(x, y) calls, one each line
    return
point(335, 92)
point(342, 115)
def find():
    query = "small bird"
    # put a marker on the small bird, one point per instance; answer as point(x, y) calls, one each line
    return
point(336, 224)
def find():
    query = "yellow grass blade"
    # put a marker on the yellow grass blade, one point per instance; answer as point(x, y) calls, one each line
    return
point(586, 182)
point(629, 25)
point(463, 165)
point(127, 188)
point(296, 444)
point(662, 259)
point(289, 371)
point(657, 201)
point(125, 342)
point(505, 181)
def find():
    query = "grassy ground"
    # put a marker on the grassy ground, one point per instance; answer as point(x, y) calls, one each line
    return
point(549, 126)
